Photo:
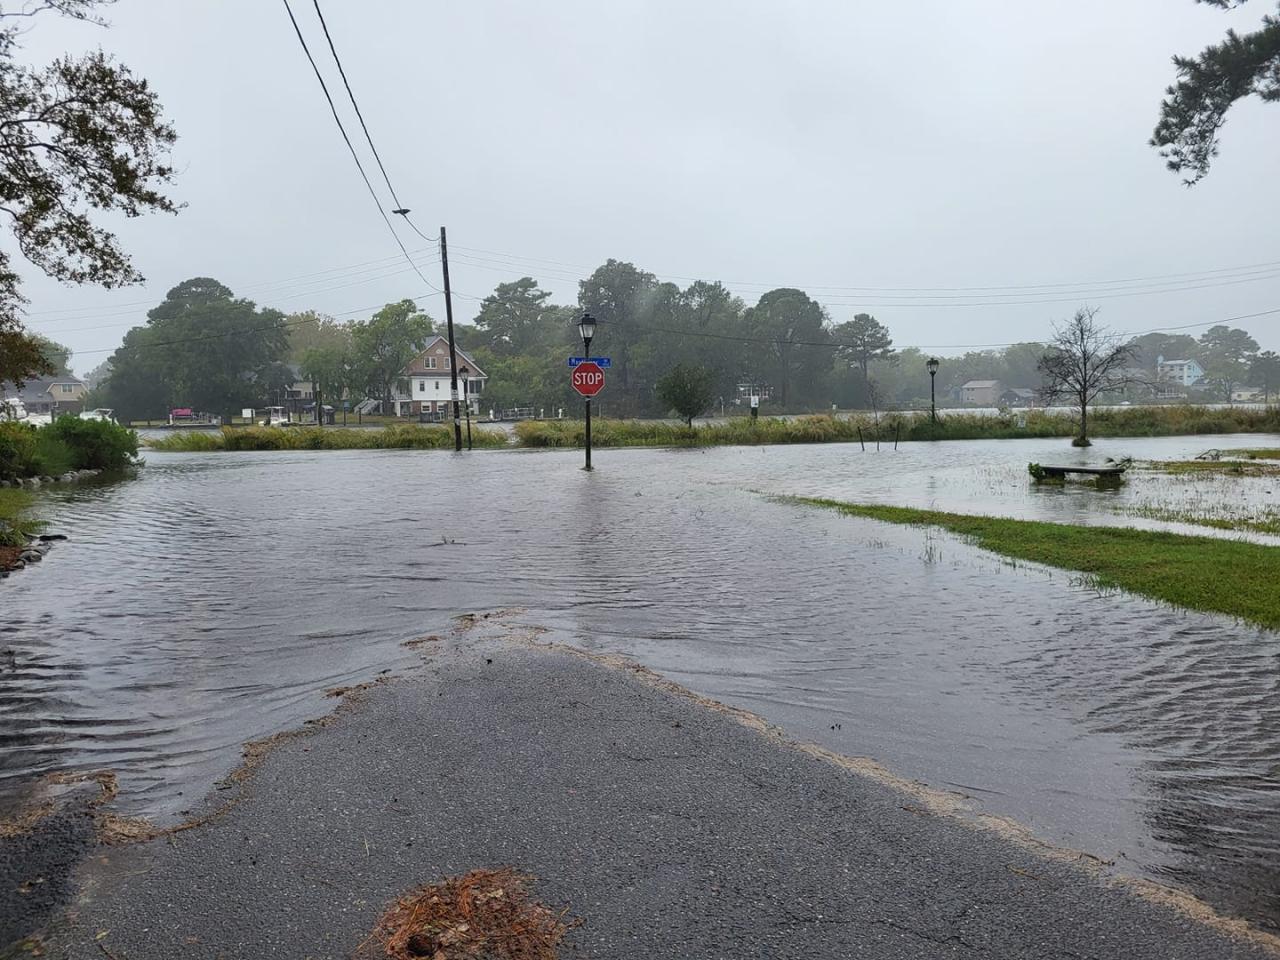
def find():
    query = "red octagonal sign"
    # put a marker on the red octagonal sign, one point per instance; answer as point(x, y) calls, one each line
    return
point(588, 379)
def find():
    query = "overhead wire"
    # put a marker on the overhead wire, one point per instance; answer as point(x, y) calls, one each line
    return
point(351, 147)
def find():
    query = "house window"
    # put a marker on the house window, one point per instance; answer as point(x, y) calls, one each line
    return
point(446, 363)
point(422, 386)
point(437, 385)
point(430, 363)
point(67, 388)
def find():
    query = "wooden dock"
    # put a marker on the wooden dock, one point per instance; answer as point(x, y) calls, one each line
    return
point(1060, 473)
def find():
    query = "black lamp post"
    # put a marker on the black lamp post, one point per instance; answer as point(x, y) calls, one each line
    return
point(466, 400)
point(587, 328)
point(932, 366)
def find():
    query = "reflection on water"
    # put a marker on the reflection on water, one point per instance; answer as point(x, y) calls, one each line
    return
point(209, 601)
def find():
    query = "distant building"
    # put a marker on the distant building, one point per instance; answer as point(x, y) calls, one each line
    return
point(51, 395)
point(982, 393)
point(425, 385)
point(1018, 397)
point(1185, 372)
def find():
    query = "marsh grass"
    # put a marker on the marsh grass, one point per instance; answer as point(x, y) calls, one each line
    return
point(1233, 577)
point(1129, 422)
point(15, 527)
point(1229, 468)
point(399, 437)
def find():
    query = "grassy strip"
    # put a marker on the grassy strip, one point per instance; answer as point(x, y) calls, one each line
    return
point(1259, 453)
point(1265, 521)
point(1129, 422)
point(1199, 573)
point(1232, 468)
point(402, 437)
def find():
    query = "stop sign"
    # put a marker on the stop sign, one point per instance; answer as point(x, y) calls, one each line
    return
point(587, 379)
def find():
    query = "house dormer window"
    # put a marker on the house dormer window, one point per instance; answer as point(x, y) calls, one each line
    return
point(430, 363)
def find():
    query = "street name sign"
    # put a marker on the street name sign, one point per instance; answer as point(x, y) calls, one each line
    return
point(603, 362)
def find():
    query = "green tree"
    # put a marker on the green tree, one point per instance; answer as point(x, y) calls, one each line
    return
point(331, 369)
point(862, 340)
point(78, 136)
point(203, 348)
point(797, 351)
point(1020, 366)
point(688, 389)
point(1264, 372)
point(1227, 353)
point(383, 345)
point(1208, 86)
point(1150, 347)
point(619, 296)
point(516, 318)
point(55, 354)
point(309, 330)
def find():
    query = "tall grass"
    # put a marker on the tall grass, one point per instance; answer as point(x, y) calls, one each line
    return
point(1131, 422)
point(15, 529)
point(400, 437)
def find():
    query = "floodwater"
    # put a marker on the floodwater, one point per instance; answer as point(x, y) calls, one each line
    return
point(212, 600)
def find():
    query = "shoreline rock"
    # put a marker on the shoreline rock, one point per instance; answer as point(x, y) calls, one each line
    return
point(35, 483)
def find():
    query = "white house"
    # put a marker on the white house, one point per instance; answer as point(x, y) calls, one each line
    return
point(1186, 372)
point(425, 384)
point(985, 393)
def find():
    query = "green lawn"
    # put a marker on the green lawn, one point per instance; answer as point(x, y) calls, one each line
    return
point(1200, 573)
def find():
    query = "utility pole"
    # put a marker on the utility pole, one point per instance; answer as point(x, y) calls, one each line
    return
point(453, 350)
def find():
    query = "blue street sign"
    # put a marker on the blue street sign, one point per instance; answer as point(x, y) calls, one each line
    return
point(602, 362)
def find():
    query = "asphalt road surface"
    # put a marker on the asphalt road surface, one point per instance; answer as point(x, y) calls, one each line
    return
point(669, 828)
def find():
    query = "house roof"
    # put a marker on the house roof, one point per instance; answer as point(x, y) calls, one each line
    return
point(1021, 391)
point(1176, 363)
point(441, 371)
point(980, 383)
point(37, 387)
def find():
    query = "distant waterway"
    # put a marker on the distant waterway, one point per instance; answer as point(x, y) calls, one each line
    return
point(214, 598)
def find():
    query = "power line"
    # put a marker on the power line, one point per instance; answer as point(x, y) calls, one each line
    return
point(1202, 281)
point(835, 344)
point(401, 209)
point(354, 156)
point(1186, 276)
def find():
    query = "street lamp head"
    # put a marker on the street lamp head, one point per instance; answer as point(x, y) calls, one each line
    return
point(931, 365)
point(587, 327)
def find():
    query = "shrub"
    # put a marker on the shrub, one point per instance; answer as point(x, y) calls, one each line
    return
point(15, 529)
point(17, 450)
point(88, 444)
point(405, 436)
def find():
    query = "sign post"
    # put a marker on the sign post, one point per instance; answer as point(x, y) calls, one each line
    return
point(588, 379)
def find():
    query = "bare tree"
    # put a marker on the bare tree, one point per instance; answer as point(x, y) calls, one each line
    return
point(1083, 360)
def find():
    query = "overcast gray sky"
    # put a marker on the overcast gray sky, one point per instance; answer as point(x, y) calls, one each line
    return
point(830, 146)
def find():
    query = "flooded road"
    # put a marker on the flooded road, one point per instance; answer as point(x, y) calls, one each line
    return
point(214, 598)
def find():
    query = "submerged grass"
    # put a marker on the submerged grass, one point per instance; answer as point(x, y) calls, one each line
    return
point(1199, 573)
point(14, 528)
point(399, 437)
point(1232, 468)
point(1263, 521)
point(1259, 453)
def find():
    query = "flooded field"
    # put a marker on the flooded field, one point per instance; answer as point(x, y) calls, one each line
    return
point(213, 599)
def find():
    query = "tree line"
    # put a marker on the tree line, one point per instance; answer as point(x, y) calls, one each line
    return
point(203, 347)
